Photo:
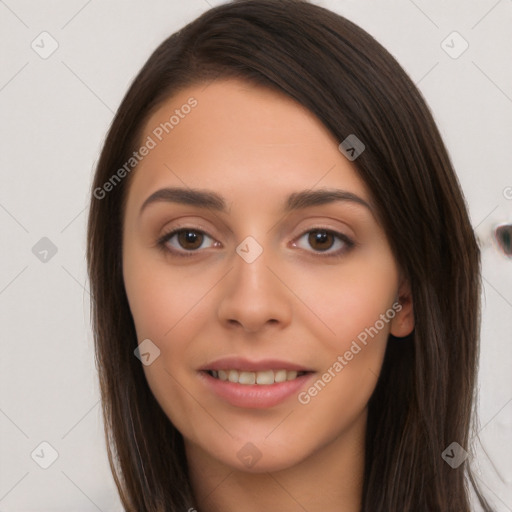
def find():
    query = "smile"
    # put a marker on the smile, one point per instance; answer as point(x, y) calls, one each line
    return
point(264, 378)
point(244, 391)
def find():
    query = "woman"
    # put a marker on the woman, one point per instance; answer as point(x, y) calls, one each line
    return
point(285, 280)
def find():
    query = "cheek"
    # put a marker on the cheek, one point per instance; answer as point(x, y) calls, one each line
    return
point(352, 300)
point(355, 304)
point(159, 299)
point(358, 315)
point(168, 313)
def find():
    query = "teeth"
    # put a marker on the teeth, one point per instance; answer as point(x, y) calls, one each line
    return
point(291, 375)
point(280, 376)
point(247, 378)
point(264, 378)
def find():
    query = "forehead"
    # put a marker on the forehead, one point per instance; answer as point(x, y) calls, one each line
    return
point(240, 139)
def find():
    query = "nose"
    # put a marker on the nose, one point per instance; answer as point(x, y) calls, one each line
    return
point(254, 298)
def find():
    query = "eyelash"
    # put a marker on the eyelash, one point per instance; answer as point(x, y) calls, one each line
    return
point(164, 239)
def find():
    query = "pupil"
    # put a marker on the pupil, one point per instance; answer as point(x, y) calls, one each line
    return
point(320, 237)
point(190, 238)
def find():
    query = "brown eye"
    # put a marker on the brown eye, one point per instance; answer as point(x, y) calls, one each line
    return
point(326, 241)
point(190, 239)
point(186, 241)
point(321, 240)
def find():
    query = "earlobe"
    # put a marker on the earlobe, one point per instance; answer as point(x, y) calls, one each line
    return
point(403, 323)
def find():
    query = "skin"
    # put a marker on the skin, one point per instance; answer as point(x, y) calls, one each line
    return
point(293, 303)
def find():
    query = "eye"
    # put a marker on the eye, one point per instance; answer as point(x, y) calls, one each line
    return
point(323, 240)
point(184, 240)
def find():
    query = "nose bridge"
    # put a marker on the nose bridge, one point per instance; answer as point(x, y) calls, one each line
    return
point(253, 297)
point(252, 279)
point(251, 270)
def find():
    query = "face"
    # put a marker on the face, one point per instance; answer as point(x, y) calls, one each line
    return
point(255, 264)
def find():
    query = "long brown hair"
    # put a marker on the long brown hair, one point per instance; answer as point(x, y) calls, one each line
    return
point(425, 394)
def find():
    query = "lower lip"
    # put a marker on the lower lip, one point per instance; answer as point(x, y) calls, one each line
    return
point(254, 396)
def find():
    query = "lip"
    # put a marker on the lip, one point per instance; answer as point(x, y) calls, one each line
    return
point(254, 396)
point(240, 363)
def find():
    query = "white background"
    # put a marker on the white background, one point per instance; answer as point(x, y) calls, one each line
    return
point(54, 115)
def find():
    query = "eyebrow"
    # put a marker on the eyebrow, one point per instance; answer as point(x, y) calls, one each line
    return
point(212, 201)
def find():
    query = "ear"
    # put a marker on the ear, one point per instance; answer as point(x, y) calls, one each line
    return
point(403, 323)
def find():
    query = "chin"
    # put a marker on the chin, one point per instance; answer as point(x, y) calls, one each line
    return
point(258, 457)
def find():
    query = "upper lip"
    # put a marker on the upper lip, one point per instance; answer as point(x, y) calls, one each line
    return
point(239, 363)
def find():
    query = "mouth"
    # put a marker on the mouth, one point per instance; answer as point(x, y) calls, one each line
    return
point(254, 389)
point(254, 384)
point(261, 378)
